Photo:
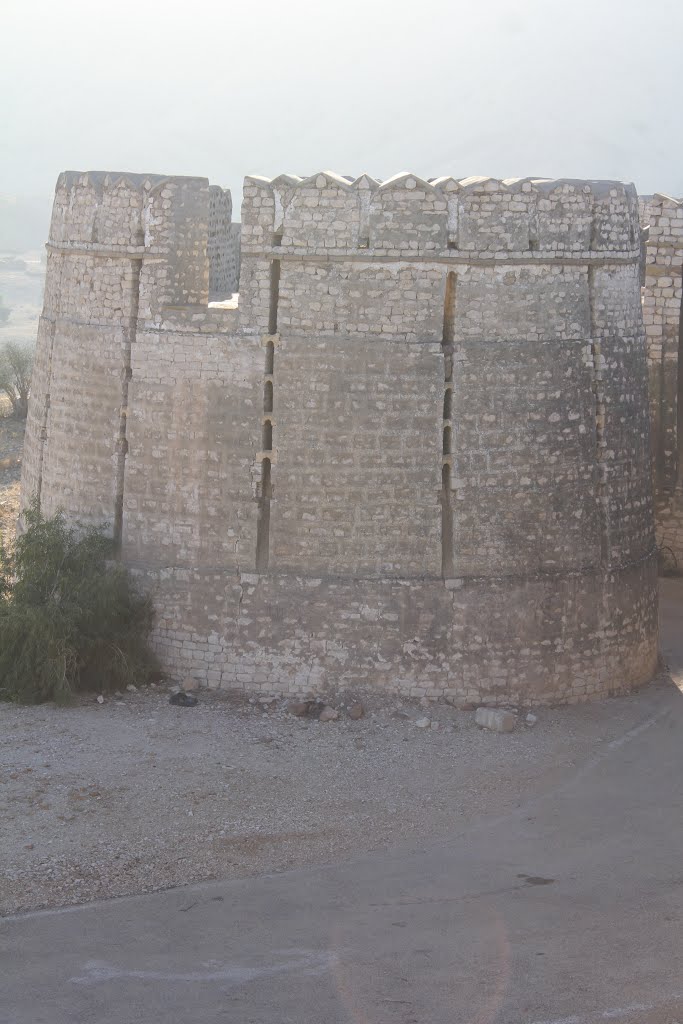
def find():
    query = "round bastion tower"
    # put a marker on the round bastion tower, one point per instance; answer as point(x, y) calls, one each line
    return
point(414, 454)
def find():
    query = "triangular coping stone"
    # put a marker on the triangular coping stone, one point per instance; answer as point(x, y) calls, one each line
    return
point(323, 179)
point(662, 199)
point(365, 181)
point(479, 183)
point(447, 183)
point(407, 181)
point(258, 180)
point(287, 180)
point(517, 185)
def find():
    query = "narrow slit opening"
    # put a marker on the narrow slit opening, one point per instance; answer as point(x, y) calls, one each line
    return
point(449, 310)
point(270, 357)
point(266, 485)
point(263, 522)
point(447, 441)
point(126, 377)
point(274, 296)
point(268, 396)
point(448, 404)
point(267, 436)
point(447, 556)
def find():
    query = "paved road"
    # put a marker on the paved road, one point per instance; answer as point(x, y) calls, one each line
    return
point(568, 910)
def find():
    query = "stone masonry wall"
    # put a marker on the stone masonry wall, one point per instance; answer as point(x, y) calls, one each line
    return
point(662, 292)
point(414, 455)
point(223, 246)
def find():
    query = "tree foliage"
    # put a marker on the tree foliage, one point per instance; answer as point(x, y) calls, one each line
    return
point(16, 368)
point(70, 618)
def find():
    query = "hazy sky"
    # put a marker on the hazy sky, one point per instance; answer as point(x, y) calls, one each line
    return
point(570, 88)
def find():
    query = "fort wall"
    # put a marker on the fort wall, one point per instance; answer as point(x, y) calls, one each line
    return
point(414, 455)
point(663, 218)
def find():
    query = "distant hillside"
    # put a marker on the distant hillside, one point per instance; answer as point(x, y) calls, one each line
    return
point(24, 222)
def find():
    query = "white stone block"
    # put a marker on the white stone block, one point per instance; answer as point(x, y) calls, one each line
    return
point(495, 719)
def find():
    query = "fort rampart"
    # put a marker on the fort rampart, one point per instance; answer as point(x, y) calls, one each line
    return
point(662, 218)
point(415, 454)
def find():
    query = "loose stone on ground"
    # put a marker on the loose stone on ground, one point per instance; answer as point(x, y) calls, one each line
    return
point(495, 719)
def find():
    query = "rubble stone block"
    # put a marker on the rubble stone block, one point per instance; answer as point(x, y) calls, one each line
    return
point(495, 719)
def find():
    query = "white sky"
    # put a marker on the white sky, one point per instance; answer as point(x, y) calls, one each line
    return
point(575, 88)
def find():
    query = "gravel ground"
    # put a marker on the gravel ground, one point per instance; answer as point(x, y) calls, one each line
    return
point(132, 795)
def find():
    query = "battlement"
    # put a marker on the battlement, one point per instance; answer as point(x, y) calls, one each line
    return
point(660, 199)
point(663, 216)
point(126, 212)
point(407, 217)
point(180, 225)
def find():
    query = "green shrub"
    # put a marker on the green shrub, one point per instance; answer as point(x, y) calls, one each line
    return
point(70, 617)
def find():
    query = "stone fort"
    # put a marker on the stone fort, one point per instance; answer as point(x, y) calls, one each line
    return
point(413, 452)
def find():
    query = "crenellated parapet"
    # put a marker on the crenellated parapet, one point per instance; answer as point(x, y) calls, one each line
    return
point(160, 219)
point(124, 250)
point(125, 212)
point(664, 217)
point(368, 258)
point(406, 216)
